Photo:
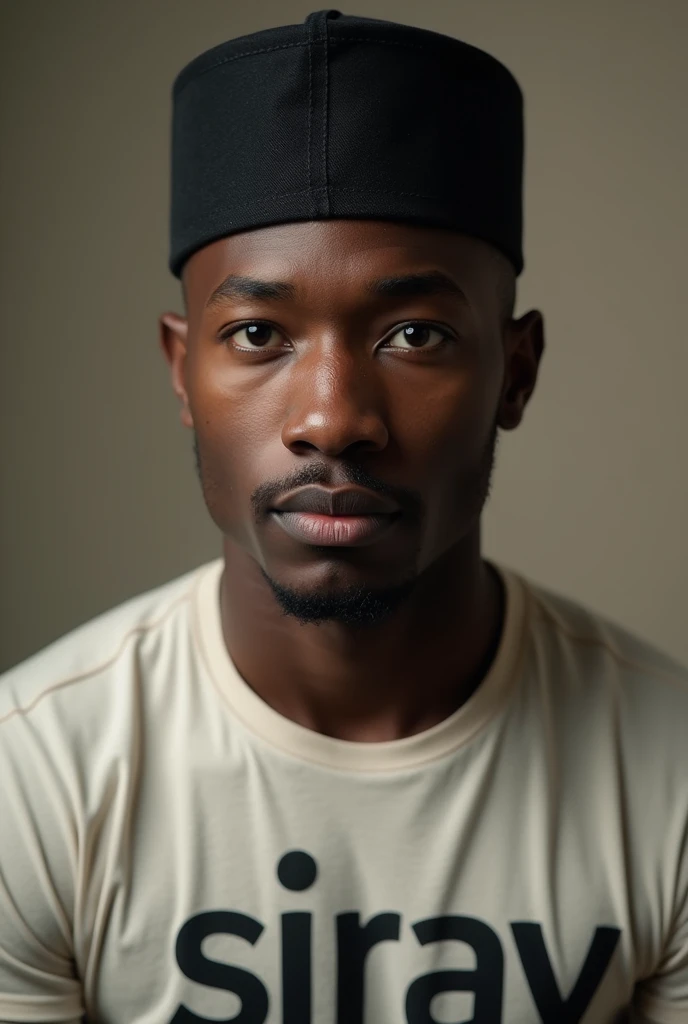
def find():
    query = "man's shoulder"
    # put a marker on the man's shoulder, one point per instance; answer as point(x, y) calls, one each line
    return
point(96, 646)
point(576, 622)
point(597, 660)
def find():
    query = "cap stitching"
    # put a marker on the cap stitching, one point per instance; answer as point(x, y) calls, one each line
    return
point(395, 42)
point(387, 42)
point(333, 42)
point(228, 60)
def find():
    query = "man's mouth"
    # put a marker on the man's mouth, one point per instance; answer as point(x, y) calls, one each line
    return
point(335, 530)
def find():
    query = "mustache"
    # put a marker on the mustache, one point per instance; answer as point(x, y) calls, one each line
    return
point(264, 496)
point(347, 472)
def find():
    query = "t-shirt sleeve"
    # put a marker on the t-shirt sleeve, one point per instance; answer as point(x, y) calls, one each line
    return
point(38, 979)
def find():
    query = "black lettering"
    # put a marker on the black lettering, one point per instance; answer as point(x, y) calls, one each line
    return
point(486, 981)
point(543, 985)
point(353, 945)
point(296, 968)
point(297, 870)
point(249, 988)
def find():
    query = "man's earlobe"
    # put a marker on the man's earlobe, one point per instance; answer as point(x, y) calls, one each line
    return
point(172, 335)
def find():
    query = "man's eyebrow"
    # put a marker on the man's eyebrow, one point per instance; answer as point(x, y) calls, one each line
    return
point(235, 286)
point(411, 286)
point(406, 286)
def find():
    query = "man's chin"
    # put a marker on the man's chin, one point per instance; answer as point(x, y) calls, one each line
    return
point(354, 606)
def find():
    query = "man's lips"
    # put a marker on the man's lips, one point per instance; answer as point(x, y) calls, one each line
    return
point(341, 517)
point(344, 501)
point(335, 531)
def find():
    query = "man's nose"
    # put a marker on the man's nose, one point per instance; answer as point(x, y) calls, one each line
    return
point(336, 402)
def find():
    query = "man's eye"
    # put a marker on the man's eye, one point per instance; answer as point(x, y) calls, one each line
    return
point(259, 336)
point(253, 336)
point(419, 336)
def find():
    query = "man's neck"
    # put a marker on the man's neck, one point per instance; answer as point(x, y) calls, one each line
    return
point(369, 684)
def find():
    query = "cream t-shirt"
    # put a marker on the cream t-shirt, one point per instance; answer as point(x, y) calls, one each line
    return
point(174, 850)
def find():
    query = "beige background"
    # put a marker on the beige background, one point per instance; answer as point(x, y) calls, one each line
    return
point(100, 498)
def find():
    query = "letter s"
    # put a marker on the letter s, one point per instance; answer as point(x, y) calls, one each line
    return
point(249, 988)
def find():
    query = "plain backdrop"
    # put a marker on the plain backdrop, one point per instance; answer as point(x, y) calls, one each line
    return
point(99, 494)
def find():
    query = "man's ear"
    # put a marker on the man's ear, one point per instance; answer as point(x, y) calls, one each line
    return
point(526, 344)
point(173, 332)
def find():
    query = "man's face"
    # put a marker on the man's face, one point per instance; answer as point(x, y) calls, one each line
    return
point(336, 372)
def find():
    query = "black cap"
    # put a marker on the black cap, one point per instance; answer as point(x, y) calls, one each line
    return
point(346, 117)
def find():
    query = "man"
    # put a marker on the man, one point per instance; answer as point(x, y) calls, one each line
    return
point(351, 771)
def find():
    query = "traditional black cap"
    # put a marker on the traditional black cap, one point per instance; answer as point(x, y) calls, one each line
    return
point(346, 117)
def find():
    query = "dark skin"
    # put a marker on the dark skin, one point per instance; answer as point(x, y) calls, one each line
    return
point(330, 390)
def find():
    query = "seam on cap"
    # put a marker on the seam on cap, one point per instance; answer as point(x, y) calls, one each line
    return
point(333, 41)
point(391, 42)
point(236, 56)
